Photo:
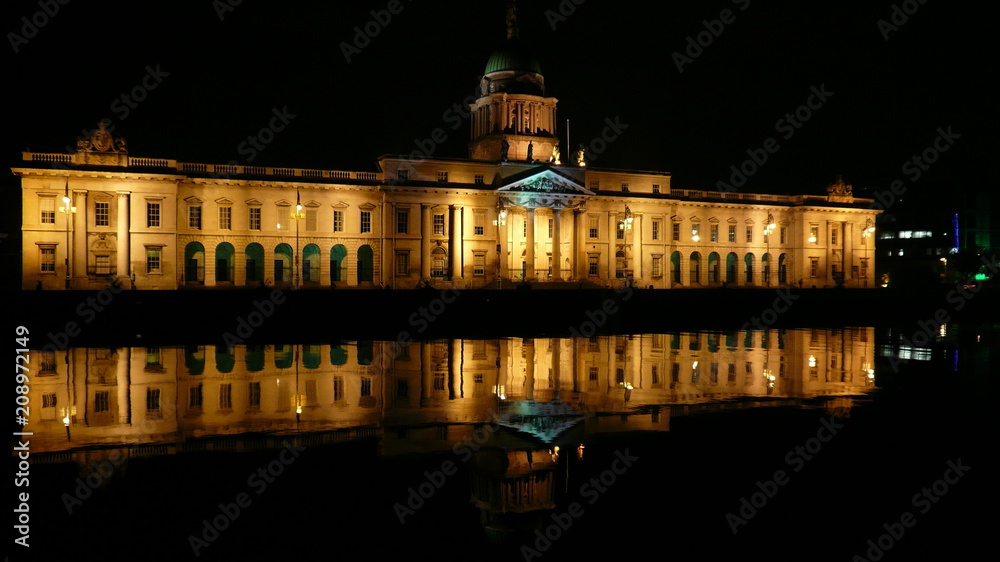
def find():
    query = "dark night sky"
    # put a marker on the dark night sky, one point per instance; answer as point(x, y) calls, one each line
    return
point(606, 60)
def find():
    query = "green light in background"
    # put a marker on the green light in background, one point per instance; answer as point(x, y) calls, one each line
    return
point(981, 277)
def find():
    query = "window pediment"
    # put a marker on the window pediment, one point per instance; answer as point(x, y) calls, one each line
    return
point(224, 201)
point(366, 206)
point(193, 200)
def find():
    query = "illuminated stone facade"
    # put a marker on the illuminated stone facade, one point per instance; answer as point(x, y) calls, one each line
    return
point(429, 395)
point(514, 211)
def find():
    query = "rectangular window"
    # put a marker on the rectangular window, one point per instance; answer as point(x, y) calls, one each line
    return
point(152, 214)
point(338, 221)
point(225, 218)
point(551, 227)
point(402, 175)
point(254, 218)
point(480, 179)
point(48, 400)
point(226, 396)
point(675, 232)
point(657, 267)
point(311, 217)
point(594, 226)
point(732, 234)
point(153, 357)
point(715, 232)
point(595, 185)
point(695, 231)
point(783, 233)
point(102, 401)
point(864, 268)
point(749, 234)
point(479, 264)
point(366, 221)
point(152, 401)
point(152, 260)
point(438, 224)
point(102, 213)
point(253, 395)
point(194, 397)
point(479, 223)
point(593, 262)
point(402, 222)
point(48, 259)
point(442, 177)
point(366, 386)
point(194, 217)
point(338, 389)
point(625, 187)
point(813, 267)
point(833, 236)
point(102, 265)
point(656, 230)
point(814, 234)
point(403, 388)
point(656, 188)
point(402, 264)
point(48, 207)
point(620, 232)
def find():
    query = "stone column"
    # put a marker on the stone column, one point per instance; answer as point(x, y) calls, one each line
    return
point(556, 244)
point(455, 242)
point(637, 246)
point(80, 249)
point(529, 250)
point(425, 241)
point(455, 369)
point(502, 256)
point(123, 245)
point(579, 231)
point(122, 379)
point(529, 369)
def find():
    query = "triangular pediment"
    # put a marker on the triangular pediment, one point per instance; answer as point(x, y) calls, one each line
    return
point(545, 181)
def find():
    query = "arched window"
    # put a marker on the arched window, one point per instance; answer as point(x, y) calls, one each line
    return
point(695, 268)
point(713, 268)
point(748, 268)
point(225, 358)
point(338, 355)
point(194, 263)
point(254, 263)
point(731, 267)
point(765, 266)
point(310, 264)
point(224, 262)
point(338, 261)
point(366, 264)
point(194, 359)
point(620, 264)
point(675, 268)
point(311, 356)
point(282, 263)
point(366, 352)
point(439, 263)
point(783, 268)
point(283, 356)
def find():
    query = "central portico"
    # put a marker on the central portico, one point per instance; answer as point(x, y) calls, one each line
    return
point(541, 194)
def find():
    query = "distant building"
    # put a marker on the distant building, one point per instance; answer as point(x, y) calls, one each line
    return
point(515, 210)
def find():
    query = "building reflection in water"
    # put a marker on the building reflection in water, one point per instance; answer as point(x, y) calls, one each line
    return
point(426, 396)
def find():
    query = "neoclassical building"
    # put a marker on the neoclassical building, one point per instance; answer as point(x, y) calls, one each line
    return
point(513, 211)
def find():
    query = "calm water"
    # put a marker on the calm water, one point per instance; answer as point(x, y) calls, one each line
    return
point(477, 449)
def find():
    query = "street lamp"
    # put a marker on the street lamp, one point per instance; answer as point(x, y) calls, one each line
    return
point(867, 233)
point(68, 209)
point(768, 230)
point(626, 222)
point(501, 220)
point(297, 216)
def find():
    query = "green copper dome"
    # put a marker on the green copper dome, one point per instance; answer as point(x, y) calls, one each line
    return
point(513, 56)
